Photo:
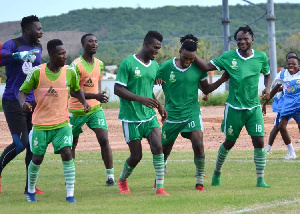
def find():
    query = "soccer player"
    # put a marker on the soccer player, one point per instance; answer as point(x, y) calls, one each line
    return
point(134, 86)
point(244, 66)
point(19, 122)
point(276, 106)
point(182, 77)
point(289, 79)
point(51, 83)
point(88, 69)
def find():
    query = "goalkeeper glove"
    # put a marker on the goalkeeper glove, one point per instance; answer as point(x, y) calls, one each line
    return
point(27, 56)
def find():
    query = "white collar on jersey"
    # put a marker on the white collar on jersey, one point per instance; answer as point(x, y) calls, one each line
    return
point(252, 55)
point(146, 65)
point(179, 69)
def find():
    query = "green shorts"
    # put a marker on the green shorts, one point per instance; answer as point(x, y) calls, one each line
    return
point(138, 131)
point(170, 129)
point(60, 138)
point(95, 120)
point(235, 120)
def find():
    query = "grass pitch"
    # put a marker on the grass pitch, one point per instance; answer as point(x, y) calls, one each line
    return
point(238, 193)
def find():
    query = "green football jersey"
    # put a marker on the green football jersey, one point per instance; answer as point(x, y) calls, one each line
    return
point(244, 76)
point(32, 81)
point(181, 89)
point(139, 79)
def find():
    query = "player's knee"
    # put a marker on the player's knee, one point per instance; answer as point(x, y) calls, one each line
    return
point(228, 144)
point(20, 142)
point(136, 158)
point(66, 153)
point(103, 142)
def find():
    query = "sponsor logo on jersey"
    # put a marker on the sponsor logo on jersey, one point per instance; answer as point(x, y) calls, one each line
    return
point(137, 73)
point(89, 83)
point(51, 92)
point(172, 77)
point(234, 64)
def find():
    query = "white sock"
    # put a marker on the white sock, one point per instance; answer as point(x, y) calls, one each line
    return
point(291, 149)
point(269, 148)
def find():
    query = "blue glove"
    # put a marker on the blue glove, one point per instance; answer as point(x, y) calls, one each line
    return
point(27, 56)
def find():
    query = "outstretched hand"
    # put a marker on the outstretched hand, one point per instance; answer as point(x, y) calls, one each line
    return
point(27, 107)
point(101, 97)
point(163, 113)
point(87, 107)
point(159, 81)
point(149, 102)
point(27, 56)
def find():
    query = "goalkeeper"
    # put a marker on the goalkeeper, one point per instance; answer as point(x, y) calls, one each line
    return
point(19, 55)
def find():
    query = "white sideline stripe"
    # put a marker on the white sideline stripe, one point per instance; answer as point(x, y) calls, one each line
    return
point(206, 160)
point(276, 204)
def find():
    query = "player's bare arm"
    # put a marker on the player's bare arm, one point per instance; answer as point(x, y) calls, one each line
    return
point(266, 91)
point(272, 94)
point(122, 92)
point(80, 96)
point(204, 66)
point(24, 105)
point(208, 88)
point(162, 111)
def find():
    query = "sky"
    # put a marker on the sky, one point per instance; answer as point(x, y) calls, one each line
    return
point(19, 8)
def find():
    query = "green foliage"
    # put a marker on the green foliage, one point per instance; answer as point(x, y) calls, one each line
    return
point(118, 39)
point(215, 99)
point(2, 74)
point(237, 193)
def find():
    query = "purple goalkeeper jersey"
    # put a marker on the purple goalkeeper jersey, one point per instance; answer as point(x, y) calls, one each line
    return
point(17, 70)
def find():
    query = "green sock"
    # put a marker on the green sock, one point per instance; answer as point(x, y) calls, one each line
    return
point(33, 173)
point(69, 174)
point(222, 155)
point(260, 163)
point(158, 163)
point(127, 170)
point(110, 173)
point(200, 164)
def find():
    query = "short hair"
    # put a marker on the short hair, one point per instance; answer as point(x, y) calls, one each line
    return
point(51, 45)
point(151, 35)
point(26, 21)
point(189, 45)
point(84, 36)
point(190, 37)
point(287, 57)
point(245, 29)
point(294, 57)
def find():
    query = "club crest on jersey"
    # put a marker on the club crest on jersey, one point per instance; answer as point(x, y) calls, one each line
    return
point(51, 92)
point(230, 131)
point(164, 136)
point(35, 143)
point(137, 73)
point(89, 83)
point(234, 64)
point(26, 67)
point(172, 77)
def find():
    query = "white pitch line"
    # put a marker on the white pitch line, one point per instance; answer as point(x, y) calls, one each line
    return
point(276, 204)
point(169, 160)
